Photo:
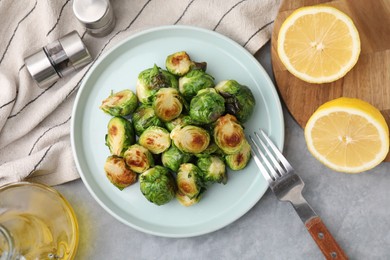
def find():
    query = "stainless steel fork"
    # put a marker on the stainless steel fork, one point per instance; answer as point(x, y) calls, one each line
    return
point(287, 186)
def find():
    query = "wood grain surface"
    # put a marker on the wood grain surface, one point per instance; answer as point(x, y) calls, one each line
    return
point(369, 80)
point(324, 239)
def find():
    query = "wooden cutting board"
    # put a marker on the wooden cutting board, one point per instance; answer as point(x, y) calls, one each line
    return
point(369, 80)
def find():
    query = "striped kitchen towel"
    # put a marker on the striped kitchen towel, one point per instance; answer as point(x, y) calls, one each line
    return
point(35, 122)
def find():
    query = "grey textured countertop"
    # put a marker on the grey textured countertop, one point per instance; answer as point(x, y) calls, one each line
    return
point(355, 208)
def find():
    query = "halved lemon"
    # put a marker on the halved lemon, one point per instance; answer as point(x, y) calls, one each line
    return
point(348, 135)
point(318, 44)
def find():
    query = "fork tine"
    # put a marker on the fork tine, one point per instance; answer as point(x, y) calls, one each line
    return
point(275, 162)
point(263, 170)
point(271, 170)
point(276, 151)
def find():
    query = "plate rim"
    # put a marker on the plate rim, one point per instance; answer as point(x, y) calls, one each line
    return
point(279, 142)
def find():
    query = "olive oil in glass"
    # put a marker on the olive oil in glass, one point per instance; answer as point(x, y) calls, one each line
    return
point(36, 222)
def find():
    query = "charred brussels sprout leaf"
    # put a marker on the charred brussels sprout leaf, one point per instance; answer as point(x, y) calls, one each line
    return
point(193, 81)
point(151, 80)
point(158, 185)
point(239, 99)
point(239, 160)
point(168, 104)
point(178, 63)
point(138, 158)
point(190, 139)
point(156, 139)
point(207, 106)
point(173, 158)
point(120, 135)
point(118, 173)
point(199, 66)
point(121, 103)
point(229, 134)
point(213, 169)
point(189, 181)
point(144, 117)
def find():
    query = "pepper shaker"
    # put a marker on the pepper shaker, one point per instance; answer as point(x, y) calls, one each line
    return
point(58, 59)
point(96, 16)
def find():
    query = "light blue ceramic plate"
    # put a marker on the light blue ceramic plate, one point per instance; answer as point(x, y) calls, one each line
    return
point(118, 69)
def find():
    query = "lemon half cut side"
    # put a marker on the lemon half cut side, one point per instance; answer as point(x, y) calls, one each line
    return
point(318, 44)
point(348, 135)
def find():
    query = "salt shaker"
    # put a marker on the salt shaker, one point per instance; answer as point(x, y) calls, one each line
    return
point(96, 16)
point(58, 59)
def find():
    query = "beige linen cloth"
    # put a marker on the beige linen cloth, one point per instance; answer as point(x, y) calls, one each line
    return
point(35, 123)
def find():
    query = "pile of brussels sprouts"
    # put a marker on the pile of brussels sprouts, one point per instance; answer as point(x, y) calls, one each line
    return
point(178, 132)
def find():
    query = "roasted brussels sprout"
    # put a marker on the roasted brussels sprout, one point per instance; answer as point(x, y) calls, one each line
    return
point(240, 101)
point(213, 169)
point(121, 103)
point(156, 139)
point(158, 185)
point(190, 138)
point(118, 173)
point(173, 158)
point(138, 158)
point(207, 106)
point(185, 201)
point(229, 134)
point(168, 104)
point(151, 80)
point(239, 160)
point(193, 81)
point(189, 181)
point(120, 135)
point(182, 120)
point(178, 63)
point(143, 117)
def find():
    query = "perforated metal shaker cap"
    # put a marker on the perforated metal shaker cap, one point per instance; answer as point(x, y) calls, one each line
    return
point(96, 15)
point(58, 59)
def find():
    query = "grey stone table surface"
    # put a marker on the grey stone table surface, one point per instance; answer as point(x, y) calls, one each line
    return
point(355, 208)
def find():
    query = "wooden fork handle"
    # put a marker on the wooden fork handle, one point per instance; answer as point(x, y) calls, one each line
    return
point(324, 239)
